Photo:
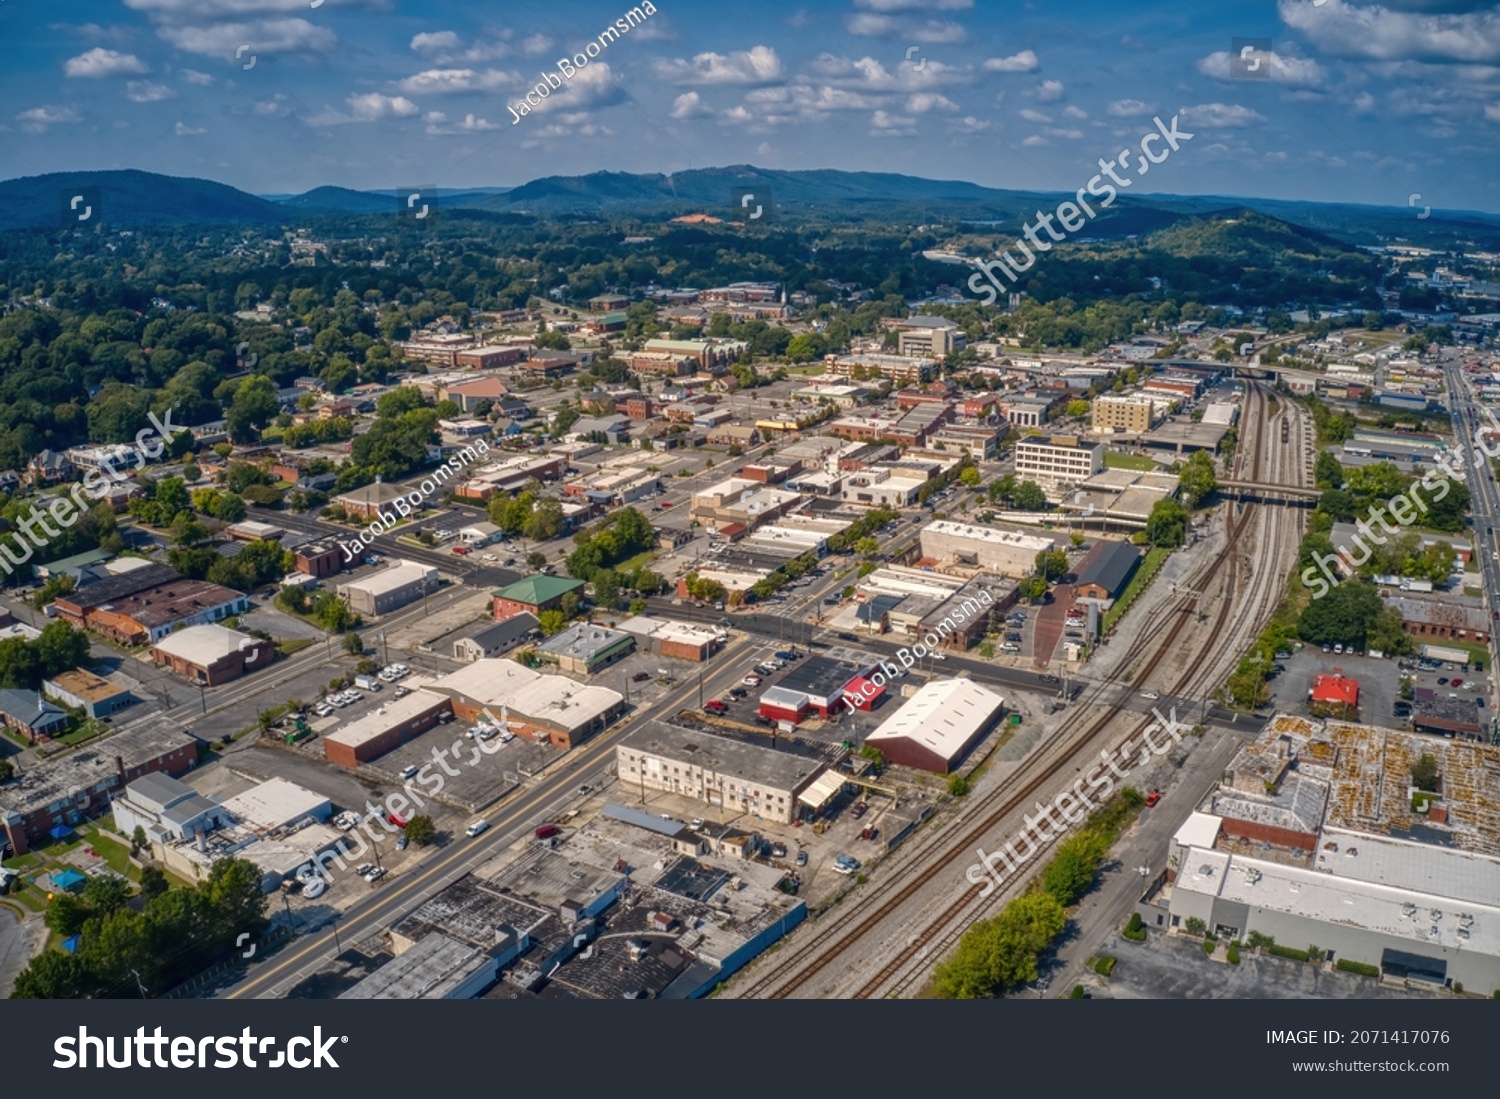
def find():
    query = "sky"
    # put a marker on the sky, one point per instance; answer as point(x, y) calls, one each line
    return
point(1349, 102)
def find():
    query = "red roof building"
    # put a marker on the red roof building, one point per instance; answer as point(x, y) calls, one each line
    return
point(1334, 690)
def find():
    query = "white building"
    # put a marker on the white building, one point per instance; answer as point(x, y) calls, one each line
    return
point(1057, 462)
point(1007, 552)
point(391, 588)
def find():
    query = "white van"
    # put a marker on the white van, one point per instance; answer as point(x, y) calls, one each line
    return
point(477, 827)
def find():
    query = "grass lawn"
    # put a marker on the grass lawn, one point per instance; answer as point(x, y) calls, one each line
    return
point(295, 645)
point(110, 848)
point(1147, 571)
point(1113, 459)
point(639, 561)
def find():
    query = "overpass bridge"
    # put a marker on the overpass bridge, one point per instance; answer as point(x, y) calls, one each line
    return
point(1265, 492)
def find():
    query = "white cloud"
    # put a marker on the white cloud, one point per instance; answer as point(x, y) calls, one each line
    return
point(927, 31)
point(369, 107)
point(1294, 72)
point(971, 125)
point(868, 74)
point(144, 91)
point(689, 105)
point(1381, 33)
point(1035, 140)
point(99, 62)
point(1075, 112)
point(922, 102)
point(537, 43)
point(1222, 115)
point(191, 11)
point(757, 65)
point(1071, 135)
point(1035, 116)
point(1023, 62)
point(266, 36)
point(193, 76)
point(37, 119)
point(1364, 103)
point(182, 129)
point(453, 81)
point(433, 42)
point(1492, 112)
point(591, 87)
point(914, 5)
point(1128, 108)
point(1049, 91)
point(275, 107)
point(885, 124)
point(437, 123)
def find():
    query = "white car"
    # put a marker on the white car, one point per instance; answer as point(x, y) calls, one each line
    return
point(374, 874)
point(313, 886)
point(1151, 696)
point(322, 709)
point(751, 681)
point(476, 828)
point(408, 772)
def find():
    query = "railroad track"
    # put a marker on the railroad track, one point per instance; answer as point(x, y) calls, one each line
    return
point(795, 967)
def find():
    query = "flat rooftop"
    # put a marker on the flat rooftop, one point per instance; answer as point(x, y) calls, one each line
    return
point(378, 722)
point(776, 768)
point(142, 741)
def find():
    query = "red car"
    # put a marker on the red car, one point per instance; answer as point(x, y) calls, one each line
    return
point(1152, 798)
point(714, 706)
point(665, 504)
point(462, 551)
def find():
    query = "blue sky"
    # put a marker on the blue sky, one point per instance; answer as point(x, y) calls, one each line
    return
point(1364, 102)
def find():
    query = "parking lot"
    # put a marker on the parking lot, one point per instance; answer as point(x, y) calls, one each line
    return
point(1379, 683)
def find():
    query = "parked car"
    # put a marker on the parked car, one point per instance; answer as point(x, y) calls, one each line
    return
point(402, 842)
point(802, 858)
point(859, 810)
point(715, 706)
point(462, 551)
point(374, 874)
point(547, 831)
point(640, 677)
point(751, 681)
point(1151, 696)
point(1152, 798)
point(408, 772)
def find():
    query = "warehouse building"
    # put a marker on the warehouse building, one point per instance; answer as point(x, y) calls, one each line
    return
point(678, 640)
point(93, 694)
point(549, 708)
point(1007, 552)
point(390, 589)
point(813, 685)
point(734, 775)
point(939, 725)
point(584, 648)
point(166, 809)
point(485, 640)
point(393, 724)
point(1105, 570)
point(210, 655)
point(1315, 835)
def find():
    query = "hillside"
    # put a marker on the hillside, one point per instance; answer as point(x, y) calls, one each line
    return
point(129, 197)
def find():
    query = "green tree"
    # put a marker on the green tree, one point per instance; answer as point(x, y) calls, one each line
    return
point(552, 622)
point(546, 520)
point(420, 830)
point(1197, 479)
point(233, 888)
point(1167, 523)
point(1424, 774)
point(607, 588)
point(105, 893)
point(969, 477)
point(866, 546)
point(1051, 564)
point(255, 405)
point(153, 882)
point(53, 975)
point(67, 914)
point(1030, 497)
point(1327, 472)
point(535, 560)
point(354, 645)
point(1345, 615)
point(1000, 953)
point(1071, 872)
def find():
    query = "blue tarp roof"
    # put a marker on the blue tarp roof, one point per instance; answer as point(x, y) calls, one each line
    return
point(60, 831)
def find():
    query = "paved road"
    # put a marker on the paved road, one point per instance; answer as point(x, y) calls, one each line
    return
point(15, 948)
point(519, 812)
